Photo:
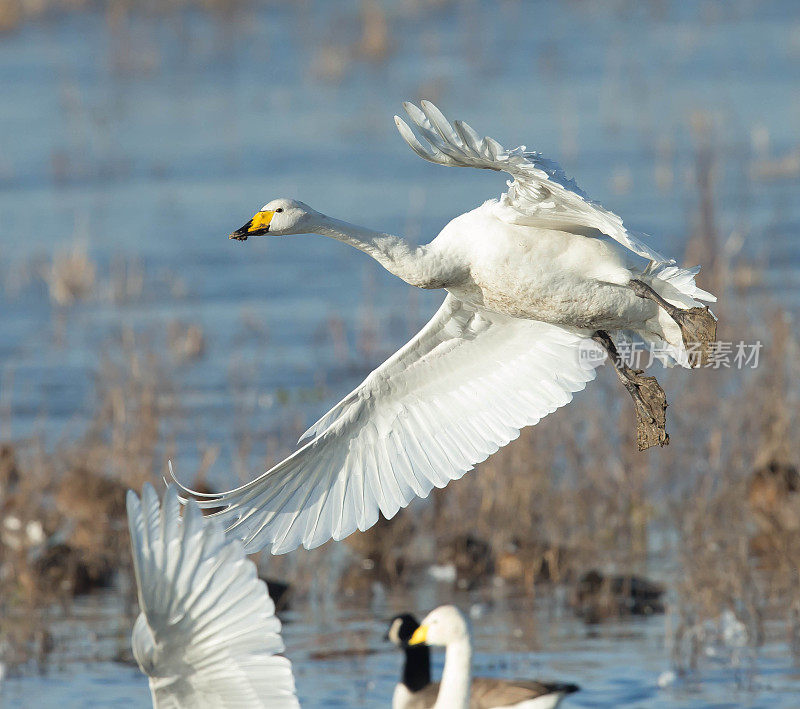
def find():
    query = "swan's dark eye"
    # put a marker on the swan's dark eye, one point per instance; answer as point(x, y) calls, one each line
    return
point(279, 209)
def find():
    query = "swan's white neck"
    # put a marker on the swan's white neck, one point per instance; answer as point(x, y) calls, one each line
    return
point(456, 676)
point(415, 265)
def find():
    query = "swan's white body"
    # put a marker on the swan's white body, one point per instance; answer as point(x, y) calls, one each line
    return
point(447, 627)
point(529, 277)
point(207, 635)
point(538, 274)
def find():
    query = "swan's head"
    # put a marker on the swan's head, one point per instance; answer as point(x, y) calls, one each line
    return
point(442, 626)
point(279, 218)
point(401, 629)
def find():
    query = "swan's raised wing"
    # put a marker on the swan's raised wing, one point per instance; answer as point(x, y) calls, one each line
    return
point(207, 635)
point(540, 193)
point(461, 389)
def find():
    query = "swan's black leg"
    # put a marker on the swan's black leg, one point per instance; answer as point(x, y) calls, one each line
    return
point(698, 326)
point(649, 399)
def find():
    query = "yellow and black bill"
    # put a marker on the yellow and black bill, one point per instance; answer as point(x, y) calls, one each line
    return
point(420, 635)
point(257, 226)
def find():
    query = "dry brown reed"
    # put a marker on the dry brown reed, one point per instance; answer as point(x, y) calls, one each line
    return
point(64, 525)
point(71, 276)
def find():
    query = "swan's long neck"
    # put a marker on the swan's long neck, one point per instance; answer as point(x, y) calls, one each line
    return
point(456, 676)
point(415, 265)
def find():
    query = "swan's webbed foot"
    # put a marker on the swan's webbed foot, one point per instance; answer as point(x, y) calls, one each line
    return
point(699, 330)
point(698, 326)
point(650, 403)
point(649, 399)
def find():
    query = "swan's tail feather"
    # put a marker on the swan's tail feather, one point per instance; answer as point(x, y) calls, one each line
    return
point(681, 286)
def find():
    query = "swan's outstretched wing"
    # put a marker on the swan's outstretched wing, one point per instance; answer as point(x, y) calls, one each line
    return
point(541, 193)
point(461, 389)
point(207, 635)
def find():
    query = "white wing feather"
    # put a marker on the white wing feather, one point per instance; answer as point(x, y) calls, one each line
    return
point(207, 635)
point(541, 194)
point(461, 389)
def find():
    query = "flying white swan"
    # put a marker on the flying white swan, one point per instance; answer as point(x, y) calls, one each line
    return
point(447, 627)
point(207, 635)
point(416, 691)
point(531, 278)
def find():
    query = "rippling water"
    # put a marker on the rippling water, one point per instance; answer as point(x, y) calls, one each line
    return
point(341, 660)
point(150, 137)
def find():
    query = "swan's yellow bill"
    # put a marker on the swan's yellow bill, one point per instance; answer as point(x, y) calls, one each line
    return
point(420, 635)
point(259, 224)
point(261, 220)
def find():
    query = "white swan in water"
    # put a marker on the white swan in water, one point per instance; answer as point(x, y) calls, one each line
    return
point(207, 635)
point(531, 278)
point(416, 691)
point(447, 627)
